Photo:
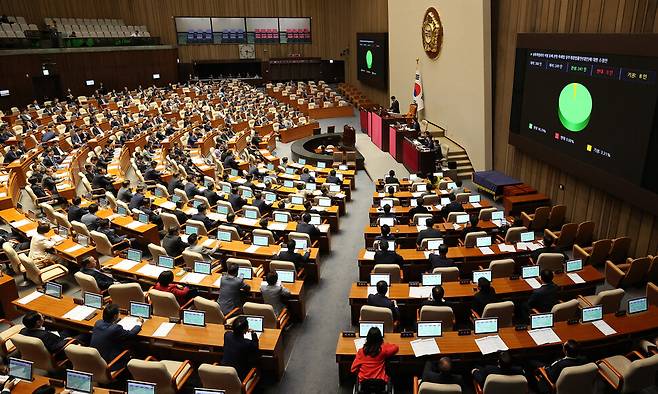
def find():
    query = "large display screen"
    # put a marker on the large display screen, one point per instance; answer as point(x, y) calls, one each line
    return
point(372, 59)
point(589, 108)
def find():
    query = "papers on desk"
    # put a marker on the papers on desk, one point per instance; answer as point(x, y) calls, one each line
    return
point(209, 243)
point(533, 246)
point(544, 336)
point(420, 291)
point(533, 282)
point(190, 211)
point(521, 246)
point(193, 278)
point(240, 181)
point(252, 249)
point(359, 343)
point(277, 226)
point(152, 271)
point(184, 237)
point(129, 322)
point(246, 222)
point(369, 255)
point(381, 194)
point(476, 205)
point(425, 347)
point(134, 224)
point(324, 228)
point(125, 265)
point(490, 344)
point(575, 277)
point(3, 195)
point(485, 250)
point(247, 335)
point(339, 195)
point(29, 298)
point(506, 248)
point(456, 226)
point(164, 329)
point(604, 327)
point(218, 282)
point(417, 194)
point(20, 223)
point(497, 222)
point(73, 248)
point(56, 238)
point(79, 313)
point(113, 216)
point(372, 290)
point(31, 233)
point(216, 216)
point(170, 205)
point(319, 208)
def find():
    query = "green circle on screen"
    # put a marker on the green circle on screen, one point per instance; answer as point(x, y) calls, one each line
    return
point(575, 106)
point(369, 58)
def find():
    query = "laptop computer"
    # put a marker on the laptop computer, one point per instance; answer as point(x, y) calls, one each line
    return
point(78, 381)
point(486, 326)
point(194, 318)
point(429, 329)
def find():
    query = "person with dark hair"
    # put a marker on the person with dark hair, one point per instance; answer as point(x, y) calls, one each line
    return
point(102, 181)
point(138, 198)
point(419, 208)
point(273, 293)
point(172, 242)
point(12, 155)
point(202, 217)
point(290, 255)
point(89, 266)
point(370, 360)
point(386, 212)
point(41, 245)
point(436, 299)
point(429, 232)
point(236, 201)
point(196, 247)
point(547, 248)
point(486, 294)
point(211, 194)
point(230, 222)
point(545, 296)
point(453, 206)
point(381, 300)
point(178, 212)
point(239, 352)
point(259, 203)
point(505, 366)
point(332, 178)
point(306, 176)
point(114, 238)
point(33, 322)
point(165, 283)
point(75, 211)
point(440, 372)
point(43, 389)
point(385, 234)
point(572, 357)
point(152, 174)
point(474, 220)
point(231, 290)
point(386, 256)
point(441, 260)
point(125, 194)
point(390, 178)
point(90, 219)
point(306, 227)
point(109, 338)
point(190, 188)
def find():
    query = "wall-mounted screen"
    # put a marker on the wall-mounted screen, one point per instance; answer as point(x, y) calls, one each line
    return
point(295, 30)
point(239, 30)
point(229, 30)
point(194, 30)
point(372, 59)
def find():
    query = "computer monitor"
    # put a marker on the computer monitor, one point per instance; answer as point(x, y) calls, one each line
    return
point(637, 305)
point(134, 255)
point(527, 236)
point(286, 276)
point(53, 289)
point(250, 214)
point(429, 329)
point(301, 161)
point(189, 230)
point(343, 167)
point(297, 200)
point(196, 203)
point(175, 198)
point(270, 197)
point(165, 262)
point(316, 220)
point(269, 166)
point(122, 210)
point(255, 323)
point(334, 188)
point(311, 186)
point(481, 274)
point(390, 222)
point(445, 201)
point(541, 320)
point(198, 390)
point(497, 215)
point(591, 314)
point(143, 218)
point(226, 189)
point(158, 192)
point(530, 271)
point(234, 172)
point(136, 387)
point(223, 235)
point(288, 183)
point(21, 369)
point(247, 193)
point(486, 326)
point(421, 187)
point(222, 210)
point(462, 219)
point(78, 381)
point(93, 300)
point(83, 240)
point(451, 185)
point(245, 272)
point(365, 326)
point(422, 221)
point(140, 309)
point(62, 231)
point(194, 318)
point(290, 170)
point(474, 198)
point(482, 242)
point(324, 202)
point(386, 201)
point(280, 217)
point(573, 265)
point(433, 279)
point(202, 267)
point(375, 278)
point(321, 164)
point(261, 240)
point(301, 243)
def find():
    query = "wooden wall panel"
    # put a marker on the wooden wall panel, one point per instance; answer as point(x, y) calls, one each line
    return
point(612, 216)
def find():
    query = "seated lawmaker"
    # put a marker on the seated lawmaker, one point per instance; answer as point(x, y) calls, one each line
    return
point(486, 295)
point(274, 294)
point(453, 206)
point(419, 208)
point(440, 372)
point(33, 322)
point(290, 255)
point(112, 236)
point(545, 297)
point(165, 283)
point(201, 216)
point(172, 242)
point(385, 234)
point(75, 212)
point(238, 352)
point(381, 300)
point(306, 227)
point(429, 232)
point(152, 174)
point(572, 358)
point(441, 260)
point(391, 178)
point(232, 289)
point(386, 256)
point(504, 366)
point(102, 181)
point(90, 267)
point(109, 338)
point(370, 360)
point(90, 219)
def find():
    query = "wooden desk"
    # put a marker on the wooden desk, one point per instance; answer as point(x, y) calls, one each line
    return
point(415, 159)
point(295, 133)
point(8, 293)
point(145, 233)
point(402, 212)
point(526, 202)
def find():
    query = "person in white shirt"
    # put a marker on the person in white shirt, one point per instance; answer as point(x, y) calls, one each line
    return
point(40, 246)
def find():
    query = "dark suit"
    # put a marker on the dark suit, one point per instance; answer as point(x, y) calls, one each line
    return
point(428, 233)
point(309, 229)
point(153, 175)
point(391, 179)
point(480, 374)
point(110, 339)
point(263, 208)
point(111, 235)
point(417, 209)
point(432, 374)
point(11, 156)
point(75, 213)
point(544, 297)
point(136, 201)
point(454, 206)
point(191, 190)
point(554, 370)
point(384, 302)
point(51, 341)
point(240, 353)
point(436, 261)
point(125, 194)
point(480, 300)
point(103, 281)
point(333, 179)
point(102, 182)
point(175, 183)
point(388, 257)
point(181, 216)
point(173, 245)
point(208, 222)
point(212, 196)
point(236, 201)
point(293, 257)
point(395, 107)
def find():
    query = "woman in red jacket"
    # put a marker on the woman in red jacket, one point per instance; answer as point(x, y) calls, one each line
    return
point(370, 361)
point(164, 283)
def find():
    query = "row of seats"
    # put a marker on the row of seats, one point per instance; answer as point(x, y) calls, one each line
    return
point(16, 29)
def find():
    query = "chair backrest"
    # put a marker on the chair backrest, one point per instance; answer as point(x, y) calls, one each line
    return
point(11, 254)
point(32, 272)
point(87, 283)
point(462, 197)
point(564, 311)
point(556, 217)
point(199, 225)
point(265, 310)
point(567, 235)
point(182, 195)
point(152, 372)
point(239, 262)
point(485, 213)
point(169, 220)
point(426, 241)
point(190, 257)
point(610, 299)
point(226, 205)
point(417, 217)
point(391, 269)
point(33, 349)
point(235, 236)
point(540, 220)
point(444, 314)
point(585, 233)
point(264, 233)
point(123, 293)
point(637, 272)
point(504, 311)
point(376, 313)
point(471, 238)
point(220, 377)
point(599, 252)
point(431, 199)
point(211, 308)
point(62, 220)
point(103, 245)
point(163, 190)
point(157, 251)
point(652, 294)
point(436, 388)
point(49, 211)
point(281, 265)
point(80, 228)
point(619, 249)
point(502, 268)
point(452, 216)
point(577, 380)
point(164, 303)
point(551, 261)
point(504, 384)
point(513, 234)
point(87, 359)
point(448, 274)
point(640, 374)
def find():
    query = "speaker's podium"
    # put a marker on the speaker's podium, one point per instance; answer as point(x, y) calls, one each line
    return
point(379, 123)
point(416, 158)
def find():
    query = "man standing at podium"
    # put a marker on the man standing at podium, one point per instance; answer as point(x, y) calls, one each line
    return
point(395, 105)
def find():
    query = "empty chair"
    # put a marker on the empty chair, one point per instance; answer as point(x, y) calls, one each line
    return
point(33, 349)
point(572, 380)
point(485, 213)
point(513, 235)
point(392, 269)
point(170, 376)
point(431, 199)
point(609, 299)
point(105, 248)
point(471, 238)
point(593, 255)
point(270, 319)
point(201, 228)
point(448, 274)
point(226, 378)
point(276, 265)
point(503, 384)
point(169, 221)
point(15, 262)
point(551, 261)
point(462, 198)
point(157, 251)
point(565, 237)
point(87, 359)
point(626, 376)
point(211, 308)
point(62, 220)
point(564, 311)
point(504, 311)
point(420, 217)
point(652, 294)
point(619, 249)
point(538, 220)
point(444, 314)
point(39, 276)
point(190, 257)
point(164, 304)
point(436, 388)
point(585, 233)
point(376, 313)
point(556, 217)
point(452, 216)
point(633, 273)
point(123, 293)
point(502, 268)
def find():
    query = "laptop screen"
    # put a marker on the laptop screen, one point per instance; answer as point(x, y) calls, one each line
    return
point(445, 201)
point(316, 220)
point(134, 254)
point(324, 202)
point(144, 218)
point(474, 198)
point(387, 221)
point(421, 187)
point(311, 186)
point(247, 193)
point(62, 231)
point(297, 200)
point(541, 320)
point(255, 323)
point(250, 214)
point(301, 243)
point(334, 188)
point(222, 210)
point(481, 242)
point(244, 272)
point(637, 305)
point(194, 318)
point(301, 161)
point(269, 197)
point(83, 240)
point(574, 265)
point(77, 381)
point(592, 313)
point(386, 201)
point(175, 199)
point(280, 217)
point(433, 244)
point(481, 274)
point(527, 236)
point(486, 326)
point(166, 262)
point(198, 390)
point(452, 185)
point(140, 309)
point(93, 300)
point(226, 189)
point(21, 369)
point(431, 279)
point(530, 271)
point(202, 267)
point(321, 164)
point(497, 215)
point(135, 387)
point(374, 278)
point(53, 289)
point(290, 170)
point(189, 230)
point(234, 172)
point(224, 236)
point(261, 240)
point(288, 183)
point(286, 276)
point(365, 326)
point(429, 329)
point(461, 219)
point(122, 210)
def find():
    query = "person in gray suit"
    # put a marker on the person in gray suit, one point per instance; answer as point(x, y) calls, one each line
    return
point(231, 290)
point(274, 294)
point(196, 247)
